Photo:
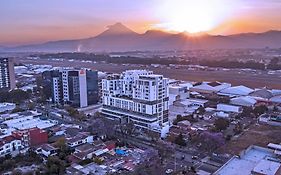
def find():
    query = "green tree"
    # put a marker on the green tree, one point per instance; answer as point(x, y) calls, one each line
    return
point(201, 110)
point(31, 105)
point(259, 110)
point(55, 165)
point(64, 150)
point(17, 172)
point(179, 140)
point(221, 124)
point(275, 108)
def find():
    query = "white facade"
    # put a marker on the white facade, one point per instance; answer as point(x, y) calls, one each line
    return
point(83, 88)
point(47, 150)
point(76, 141)
point(138, 96)
point(65, 85)
point(229, 108)
point(7, 74)
point(28, 122)
point(9, 145)
point(56, 89)
point(177, 92)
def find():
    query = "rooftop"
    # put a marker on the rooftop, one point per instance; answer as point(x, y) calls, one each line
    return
point(27, 122)
point(254, 159)
point(237, 90)
point(48, 147)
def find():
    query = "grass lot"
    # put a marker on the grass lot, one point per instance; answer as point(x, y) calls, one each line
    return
point(259, 135)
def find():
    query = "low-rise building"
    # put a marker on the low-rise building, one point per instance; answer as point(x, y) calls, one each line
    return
point(47, 150)
point(23, 122)
point(236, 91)
point(210, 87)
point(10, 145)
point(253, 161)
point(229, 108)
point(31, 137)
point(262, 93)
point(79, 139)
point(7, 107)
point(178, 92)
point(185, 107)
point(270, 119)
point(246, 101)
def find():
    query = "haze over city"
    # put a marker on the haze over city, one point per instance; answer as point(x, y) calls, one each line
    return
point(37, 21)
point(140, 87)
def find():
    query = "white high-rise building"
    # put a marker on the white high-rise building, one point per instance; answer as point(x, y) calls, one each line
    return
point(7, 74)
point(137, 96)
point(77, 87)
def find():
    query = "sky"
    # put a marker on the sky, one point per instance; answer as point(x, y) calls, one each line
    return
point(37, 21)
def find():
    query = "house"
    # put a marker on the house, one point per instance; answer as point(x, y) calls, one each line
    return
point(10, 145)
point(83, 155)
point(110, 145)
point(63, 129)
point(47, 150)
point(85, 147)
point(88, 151)
point(79, 139)
point(100, 149)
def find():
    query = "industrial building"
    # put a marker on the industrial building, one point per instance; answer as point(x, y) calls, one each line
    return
point(253, 161)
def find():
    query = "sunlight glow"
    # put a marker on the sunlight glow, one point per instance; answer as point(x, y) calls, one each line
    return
point(192, 15)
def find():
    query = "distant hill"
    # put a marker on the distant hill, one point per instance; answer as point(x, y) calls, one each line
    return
point(118, 37)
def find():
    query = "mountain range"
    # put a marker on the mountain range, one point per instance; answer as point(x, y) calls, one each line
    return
point(118, 37)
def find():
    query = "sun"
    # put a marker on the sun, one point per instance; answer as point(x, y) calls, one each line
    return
point(191, 15)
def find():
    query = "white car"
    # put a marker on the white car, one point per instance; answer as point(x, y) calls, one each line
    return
point(169, 171)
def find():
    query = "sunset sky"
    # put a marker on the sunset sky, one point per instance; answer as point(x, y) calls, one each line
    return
point(36, 21)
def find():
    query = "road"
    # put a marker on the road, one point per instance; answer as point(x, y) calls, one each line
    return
point(90, 109)
point(179, 160)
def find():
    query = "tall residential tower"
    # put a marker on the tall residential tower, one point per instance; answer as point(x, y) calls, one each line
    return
point(78, 88)
point(7, 74)
point(137, 96)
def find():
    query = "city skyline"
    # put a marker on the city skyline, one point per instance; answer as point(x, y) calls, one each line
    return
point(40, 21)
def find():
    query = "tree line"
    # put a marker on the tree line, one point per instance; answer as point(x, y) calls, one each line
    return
point(274, 64)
